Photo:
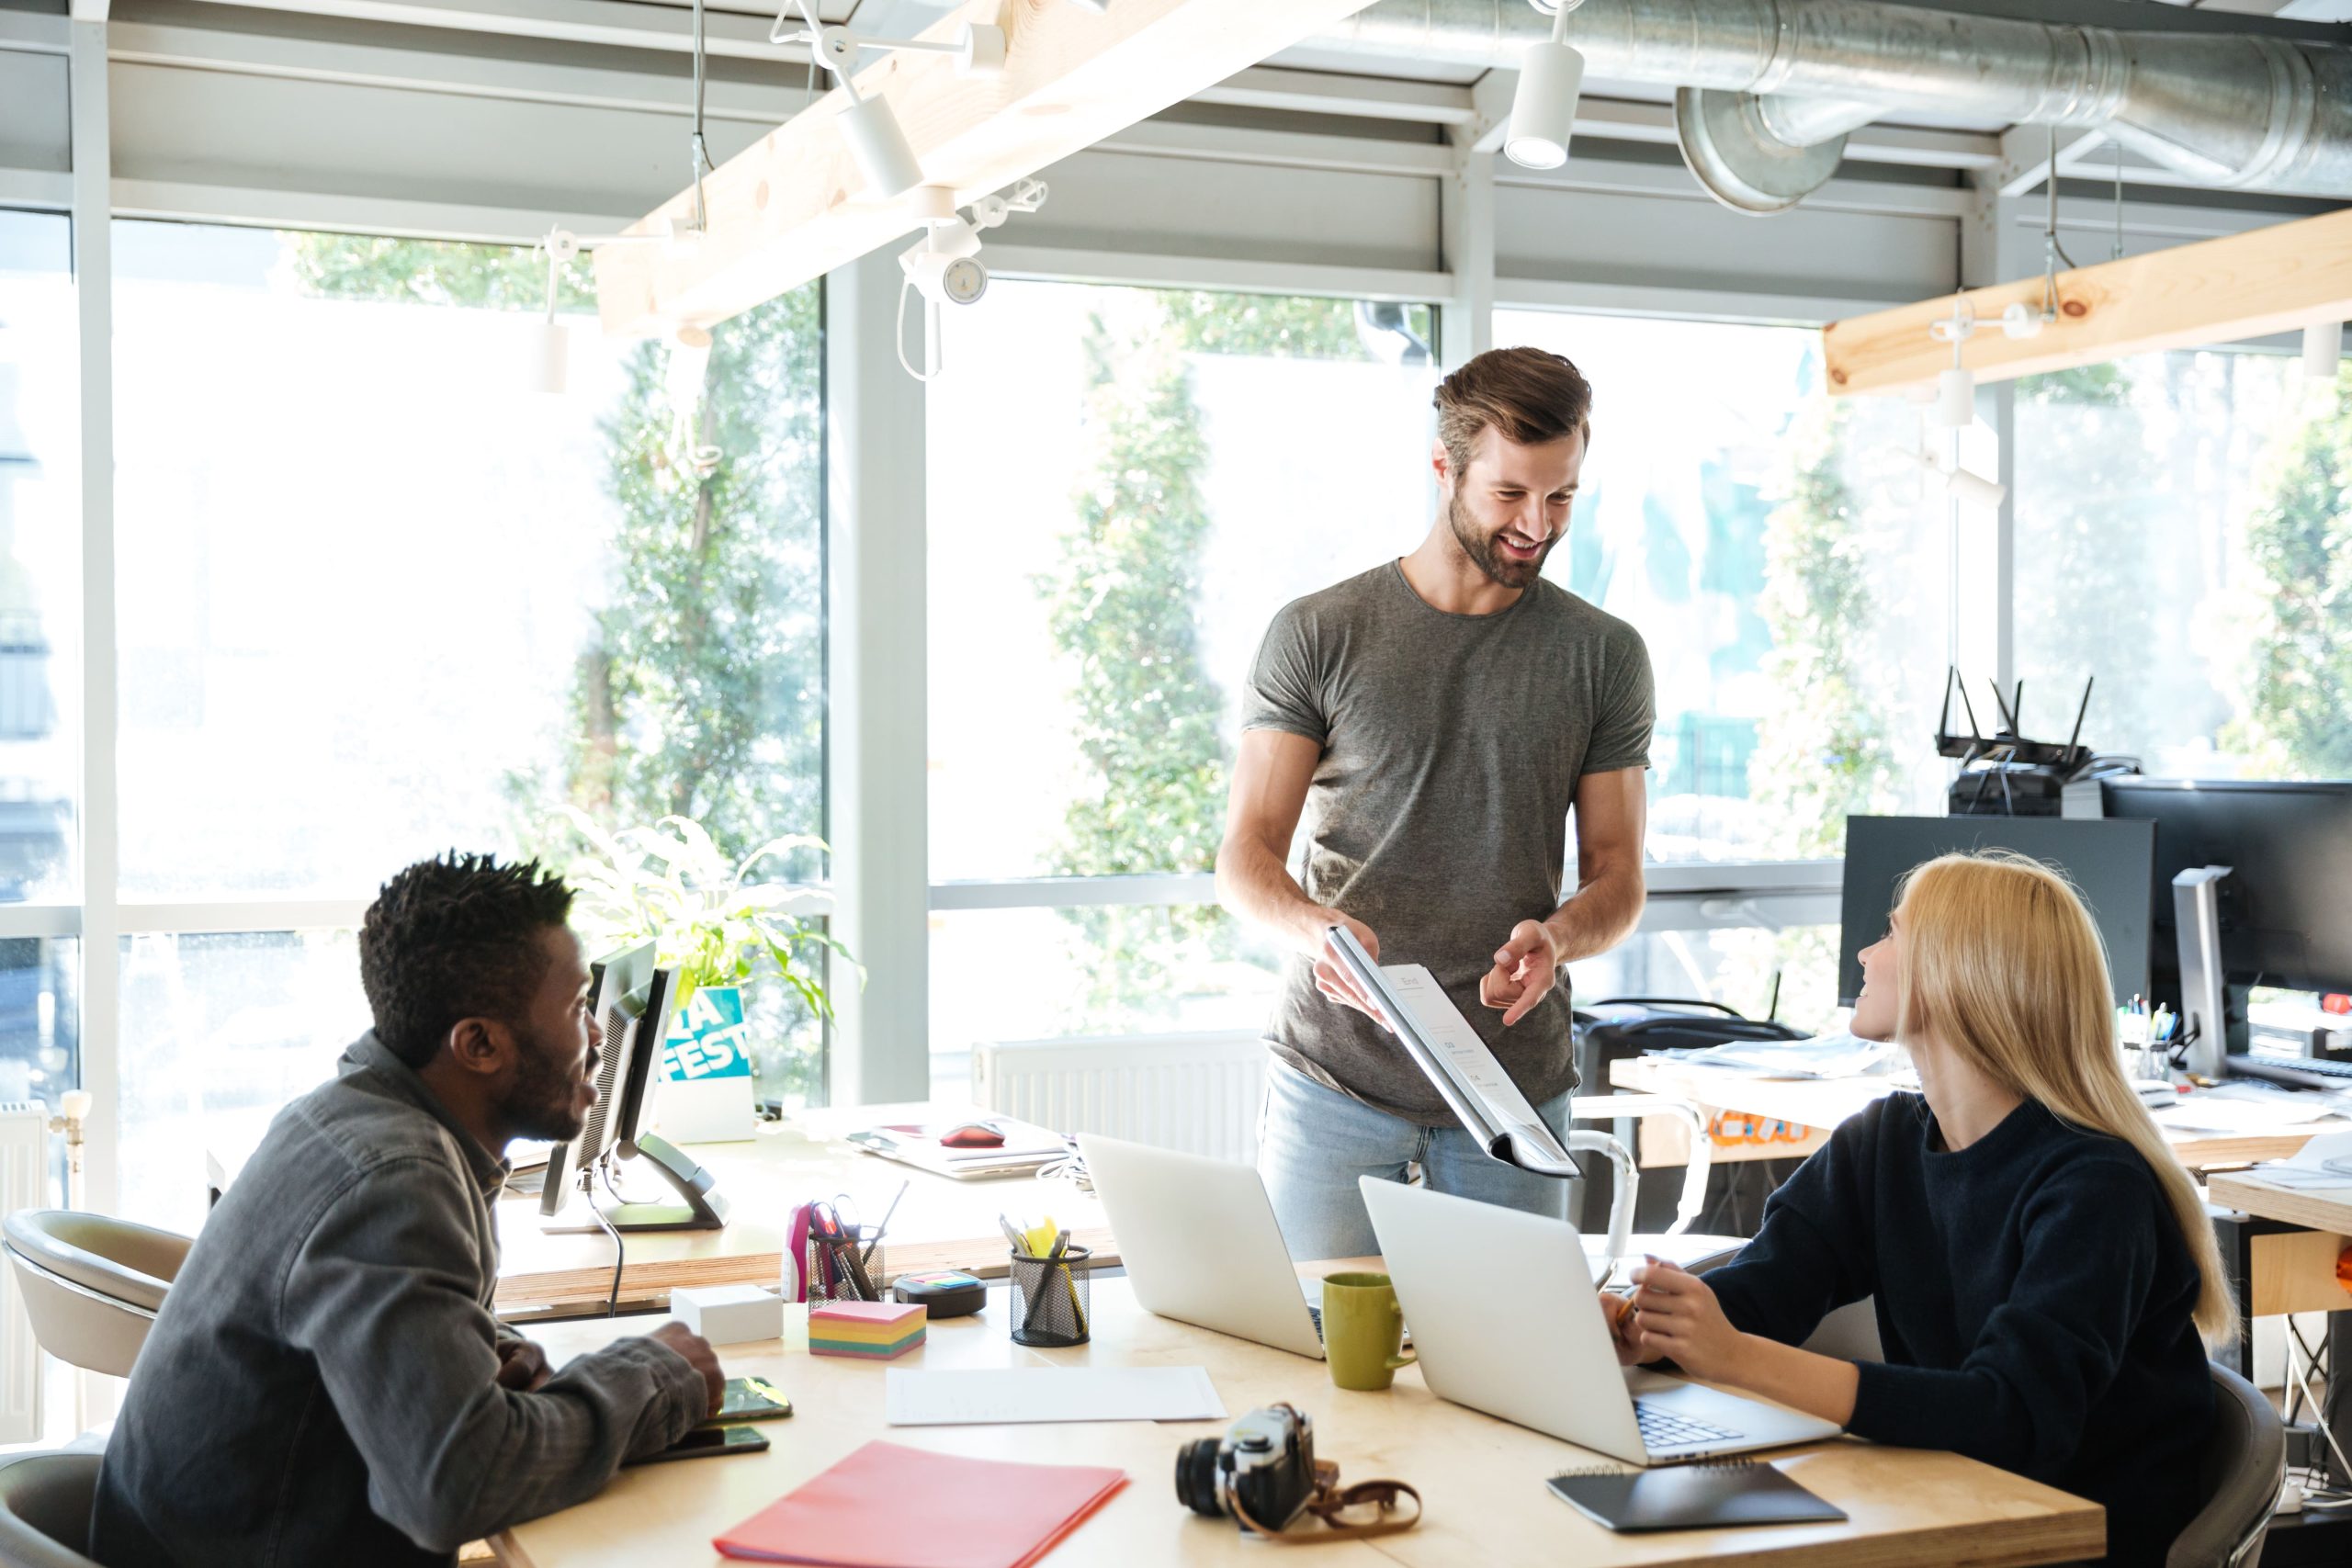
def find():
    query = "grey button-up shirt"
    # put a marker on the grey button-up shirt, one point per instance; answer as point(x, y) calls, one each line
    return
point(320, 1385)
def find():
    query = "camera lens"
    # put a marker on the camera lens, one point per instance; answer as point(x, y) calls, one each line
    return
point(1196, 1476)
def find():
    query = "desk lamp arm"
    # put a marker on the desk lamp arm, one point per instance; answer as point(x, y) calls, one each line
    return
point(1610, 1106)
point(1621, 1201)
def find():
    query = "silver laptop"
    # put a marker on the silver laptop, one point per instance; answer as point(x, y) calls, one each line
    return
point(1198, 1239)
point(1506, 1320)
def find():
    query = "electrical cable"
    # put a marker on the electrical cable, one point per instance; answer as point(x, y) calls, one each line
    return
point(620, 1248)
point(2117, 148)
point(697, 145)
point(2318, 1419)
point(904, 285)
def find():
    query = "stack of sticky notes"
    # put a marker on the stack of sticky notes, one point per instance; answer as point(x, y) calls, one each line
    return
point(877, 1331)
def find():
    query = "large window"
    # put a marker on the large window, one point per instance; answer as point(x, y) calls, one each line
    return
point(2182, 537)
point(40, 682)
point(1126, 484)
point(377, 598)
point(1777, 552)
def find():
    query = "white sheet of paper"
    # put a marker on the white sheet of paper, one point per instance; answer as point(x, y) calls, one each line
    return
point(986, 1397)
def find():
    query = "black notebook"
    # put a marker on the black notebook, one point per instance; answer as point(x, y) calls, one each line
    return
point(1691, 1496)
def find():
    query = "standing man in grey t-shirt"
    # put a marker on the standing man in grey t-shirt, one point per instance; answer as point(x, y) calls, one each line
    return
point(1443, 715)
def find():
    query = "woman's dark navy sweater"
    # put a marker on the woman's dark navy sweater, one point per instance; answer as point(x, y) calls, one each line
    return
point(2033, 1296)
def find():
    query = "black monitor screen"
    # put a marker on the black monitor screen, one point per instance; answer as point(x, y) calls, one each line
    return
point(622, 986)
point(2287, 909)
point(2111, 865)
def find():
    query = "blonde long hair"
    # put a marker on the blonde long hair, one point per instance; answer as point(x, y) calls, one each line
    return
point(2002, 965)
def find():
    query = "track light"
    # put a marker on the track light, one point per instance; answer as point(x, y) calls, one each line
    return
point(1543, 108)
point(2323, 352)
point(550, 350)
point(885, 161)
point(945, 267)
point(1969, 490)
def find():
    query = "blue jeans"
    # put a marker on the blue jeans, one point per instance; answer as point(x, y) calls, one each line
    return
point(1313, 1142)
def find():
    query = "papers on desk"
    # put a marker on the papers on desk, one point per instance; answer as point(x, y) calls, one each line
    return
point(1839, 1055)
point(1026, 1149)
point(888, 1506)
point(2244, 1109)
point(2324, 1164)
point(912, 1397)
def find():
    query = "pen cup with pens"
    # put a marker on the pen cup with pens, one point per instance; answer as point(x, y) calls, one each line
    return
point(1051, 1298)
point(840, 1261)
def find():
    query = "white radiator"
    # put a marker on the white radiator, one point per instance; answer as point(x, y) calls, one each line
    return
point(1199, 1093)
point(24, 1184)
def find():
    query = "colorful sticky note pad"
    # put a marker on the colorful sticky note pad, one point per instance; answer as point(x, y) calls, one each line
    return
point(877, 1331)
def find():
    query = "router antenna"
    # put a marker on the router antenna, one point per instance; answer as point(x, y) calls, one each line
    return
point(2079, 712)
point(1974, 733)
point(2002, 709)
point(1943, 713)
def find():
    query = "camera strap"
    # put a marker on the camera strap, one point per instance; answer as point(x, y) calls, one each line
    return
point(1330, 1501)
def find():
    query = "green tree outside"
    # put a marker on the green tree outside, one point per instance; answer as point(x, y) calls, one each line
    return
point(1122, 604)
point(2294, 679)
point(700, 689)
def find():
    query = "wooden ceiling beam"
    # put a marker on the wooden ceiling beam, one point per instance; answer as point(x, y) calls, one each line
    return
point(791, 207)
point(2273, 279)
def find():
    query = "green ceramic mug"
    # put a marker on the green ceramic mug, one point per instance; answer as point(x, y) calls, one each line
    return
point(1363, 1328)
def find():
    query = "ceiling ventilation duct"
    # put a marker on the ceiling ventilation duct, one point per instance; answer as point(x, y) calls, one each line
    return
point(1766, 90)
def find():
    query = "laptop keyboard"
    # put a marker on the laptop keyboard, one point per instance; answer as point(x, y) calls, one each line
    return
point(1663, 1429)
point(1317, 1313)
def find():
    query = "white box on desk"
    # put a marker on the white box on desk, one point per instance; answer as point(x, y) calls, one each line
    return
point(728, 1315)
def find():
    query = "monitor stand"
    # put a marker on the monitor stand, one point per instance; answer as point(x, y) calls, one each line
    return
point(2212, 1011)
point(702, 1211)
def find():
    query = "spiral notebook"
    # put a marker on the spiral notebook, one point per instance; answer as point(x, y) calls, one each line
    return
point(1691, 1496)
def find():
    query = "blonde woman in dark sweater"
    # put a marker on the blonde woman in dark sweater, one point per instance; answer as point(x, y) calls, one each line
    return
point(2044, 1277)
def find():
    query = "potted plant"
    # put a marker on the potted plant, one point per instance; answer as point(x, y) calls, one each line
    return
point(672, 884)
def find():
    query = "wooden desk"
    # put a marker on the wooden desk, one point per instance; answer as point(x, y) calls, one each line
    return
point(1822, 1103)
point(941, 1224)
point(1481, 1479)
point(2294, 1272)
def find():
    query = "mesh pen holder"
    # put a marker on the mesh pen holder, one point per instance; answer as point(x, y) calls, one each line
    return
point(1052, 1302)
point(825, 1268)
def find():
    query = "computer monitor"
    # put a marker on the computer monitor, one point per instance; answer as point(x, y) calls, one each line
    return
point(2277, 918)
point(621, 983)
point(2111, 865)
point(2287, 909)
point(636, 1020)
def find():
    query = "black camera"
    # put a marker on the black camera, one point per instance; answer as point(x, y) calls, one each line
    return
point(1263, 1469)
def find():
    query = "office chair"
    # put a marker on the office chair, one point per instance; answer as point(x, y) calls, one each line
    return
point(45, 1509)
point(2239, 1476)
point(92, 1285)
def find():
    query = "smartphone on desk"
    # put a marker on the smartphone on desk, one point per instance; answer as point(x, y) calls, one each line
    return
point(709, 1442)
point(752, 1399)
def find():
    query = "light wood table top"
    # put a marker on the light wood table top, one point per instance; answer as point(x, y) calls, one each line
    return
point(941, 1224)
point(1482, 1479)
point(2314, 1208)
point(1825, 1102)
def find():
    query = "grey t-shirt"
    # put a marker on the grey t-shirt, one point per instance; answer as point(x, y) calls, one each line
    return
point(1439, 813)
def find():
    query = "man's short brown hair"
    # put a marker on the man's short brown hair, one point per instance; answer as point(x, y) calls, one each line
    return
point(1530, 395)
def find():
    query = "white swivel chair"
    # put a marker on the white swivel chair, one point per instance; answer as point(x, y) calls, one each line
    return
point(92, 1285)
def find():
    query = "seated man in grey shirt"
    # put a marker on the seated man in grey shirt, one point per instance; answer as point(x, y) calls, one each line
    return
point(325, 1384)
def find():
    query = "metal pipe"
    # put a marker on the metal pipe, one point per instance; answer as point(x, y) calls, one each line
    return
point(2232, 110)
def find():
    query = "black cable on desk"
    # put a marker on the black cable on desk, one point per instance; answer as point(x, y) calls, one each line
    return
point(620, 1248)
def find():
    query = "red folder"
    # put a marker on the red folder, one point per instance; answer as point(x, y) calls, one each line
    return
point(888, 1506)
